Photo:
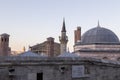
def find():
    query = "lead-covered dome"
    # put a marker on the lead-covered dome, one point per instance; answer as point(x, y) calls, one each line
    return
point(99, 35)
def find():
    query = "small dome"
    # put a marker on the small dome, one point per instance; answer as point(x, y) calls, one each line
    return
point(99, 35)
point(68, 54)
point(28, 53)
point(31, 54)
point(43, 54)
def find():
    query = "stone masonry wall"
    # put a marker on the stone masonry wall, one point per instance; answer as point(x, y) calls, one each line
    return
point(26, 68)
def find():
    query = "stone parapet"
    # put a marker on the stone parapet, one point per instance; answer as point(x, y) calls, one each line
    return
point(56, 60)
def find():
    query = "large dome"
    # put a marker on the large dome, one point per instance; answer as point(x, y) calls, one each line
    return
point(99, 35)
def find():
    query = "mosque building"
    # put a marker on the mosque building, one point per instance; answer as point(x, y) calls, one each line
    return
point(98, 42)
point(50, 47)
point(92, 58)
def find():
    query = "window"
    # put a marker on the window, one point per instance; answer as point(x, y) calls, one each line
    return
point(2, 39)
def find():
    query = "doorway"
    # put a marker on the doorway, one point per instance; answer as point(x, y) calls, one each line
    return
point(40, 76)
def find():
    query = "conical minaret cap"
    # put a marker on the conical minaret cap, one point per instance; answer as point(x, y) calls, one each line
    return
point(63, 27)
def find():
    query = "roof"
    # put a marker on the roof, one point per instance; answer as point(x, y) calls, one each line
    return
point(99, 35)
point(43, 44)
point(31, 54)
point(5, 34)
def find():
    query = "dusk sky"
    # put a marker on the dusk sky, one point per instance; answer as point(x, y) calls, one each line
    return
point(29, 22)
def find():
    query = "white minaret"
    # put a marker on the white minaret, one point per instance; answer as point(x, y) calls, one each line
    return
point(63, 39)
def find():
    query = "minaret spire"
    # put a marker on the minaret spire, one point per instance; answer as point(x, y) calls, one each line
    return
point(63, 38)
point(63, 27)
point(24, 49)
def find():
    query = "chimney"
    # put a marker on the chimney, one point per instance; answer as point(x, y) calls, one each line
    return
point(4, 45)
point(77, 34)
point(50, 46)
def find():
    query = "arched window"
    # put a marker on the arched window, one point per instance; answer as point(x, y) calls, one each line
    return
point(2, 39)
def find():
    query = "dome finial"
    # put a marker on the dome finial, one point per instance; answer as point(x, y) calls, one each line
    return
point(98, 24)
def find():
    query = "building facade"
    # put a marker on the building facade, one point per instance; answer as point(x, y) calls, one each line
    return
point(49, 47)
point(91, 60)
point(52, 48)
point(58, 68)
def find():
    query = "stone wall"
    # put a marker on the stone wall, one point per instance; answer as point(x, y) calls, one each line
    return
point(54, 68)
point(101, 55)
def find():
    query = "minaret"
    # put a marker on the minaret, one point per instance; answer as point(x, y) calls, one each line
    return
point(24, 49)
point(63, 39)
